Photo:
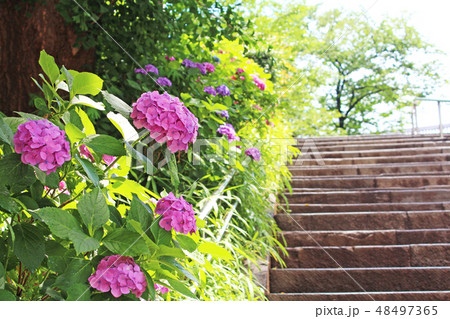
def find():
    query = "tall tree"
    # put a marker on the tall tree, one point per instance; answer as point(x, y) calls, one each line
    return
point(370, 65)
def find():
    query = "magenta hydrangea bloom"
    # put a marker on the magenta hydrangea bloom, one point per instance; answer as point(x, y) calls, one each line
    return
point(152, 69)
point(62, 188)
point(254, 153)
point(201, 67)
point(259, 83)
point(119, 274)
point(188, 63)
point(239, 71)
point(161, 289)
point(256, 106)
point(223, 90)
point(228, 130)
point(177, 214)
point(164, 81)
point(85, 152)
point(210, 90)
point(209, 67)
point(167, 119)
point(108, 159)
point(43, 144)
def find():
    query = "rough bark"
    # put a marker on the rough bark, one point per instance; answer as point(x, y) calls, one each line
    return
point(26, 29)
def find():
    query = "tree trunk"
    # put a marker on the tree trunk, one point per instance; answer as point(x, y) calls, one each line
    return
point(341, 121)
point(25, 30)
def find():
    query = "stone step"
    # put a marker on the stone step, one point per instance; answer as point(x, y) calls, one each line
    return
point(363, 296)
point(366, 146)
point(400, 140)
point(373, 160)
point(370, 169)
point(422, 180)
point(372, 137)
point(362, 207)
point(374, 153)
point(421, 255)
point(366, 237)
point(376, 196)
point(359, 279)
point(364, 220)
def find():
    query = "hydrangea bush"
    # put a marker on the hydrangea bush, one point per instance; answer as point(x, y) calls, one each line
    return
point(80, 220)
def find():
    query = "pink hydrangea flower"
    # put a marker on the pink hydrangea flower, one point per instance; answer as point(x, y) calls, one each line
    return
point(42, 143)
point(259, 83)
point(161, 289)
point(209, 67)
point(228, 130)
point(120, 275)
point(167, 119)
point(256, 106)
point(254, 153)
point(86, 153)
point(170, 59)
point(177, 214)
point(234, 77)
point(242, 77)
point(239, 71)
point(108, 159)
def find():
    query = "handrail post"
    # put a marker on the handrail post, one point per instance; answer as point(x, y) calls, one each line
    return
point(441, 128)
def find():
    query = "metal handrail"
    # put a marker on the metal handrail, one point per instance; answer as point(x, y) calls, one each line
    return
point(415, 125)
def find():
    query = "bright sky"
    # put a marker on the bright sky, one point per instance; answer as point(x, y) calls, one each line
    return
point(429, 17)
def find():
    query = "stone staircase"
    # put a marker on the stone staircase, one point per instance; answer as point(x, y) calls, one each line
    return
point(368, 220)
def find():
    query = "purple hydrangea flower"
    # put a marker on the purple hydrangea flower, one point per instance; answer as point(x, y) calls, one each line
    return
point(151, 68)
point(177, 214)
point(42, 143)
point(210, 90)
point(209, 67)
point(228, 130)
point(140, 71)
point(161, 289)
point(164, 81)
point(223, 90)
point(188, 63)
point(119, 274)
point(254, 153)
point(201, 67)
point(224, 114)
point(167, 119)
point(259, 83)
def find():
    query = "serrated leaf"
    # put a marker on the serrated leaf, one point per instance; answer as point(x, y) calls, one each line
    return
point(77, 272)
point(173, 169)
point(74, 133)
point(126, 243)
point(162, 236)
point(82, 242)
point(51, 180)
point(85, 121)
point(171, 251)
point(84, 100)
point(93, 210)
point(13, 171)
point(29, 245)
point(137, 227)
point(141, 212)
point(6, 134)
point(186, 243)
point(128, 132)
point(78, 292)
point(6, 295)
point(105, 144)
point(90, 170)
point(48, 65)
point(117, 104)
point(86, 83)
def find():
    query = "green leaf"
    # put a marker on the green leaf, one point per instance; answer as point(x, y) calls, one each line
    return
point(48, 65)
point(215, 251)
point(171, 251)
point(74, 133)
point(186, 243)
point(86, 83)
point(51, 180)
point(84, 100)
point(6, 134)
point(9, 204)
point(6, 295)
point(65, 226)
point(185, 96)
point(93, 210)
point(126, 243)
point(14, 122)
point(78, 292)
point(13, 171)
point(29, 245)
point(174, 171)
point(88, 127)
point(105, 144)
point(114, 215)
point(77, 272)
point(117, 104)
point(141, 212)
point(128, 132)
point(181, 288)
point(137, 227)
point(2, 276)
point(178, 267)
point(90, 170)
point(162, 236)
point(150, 286)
